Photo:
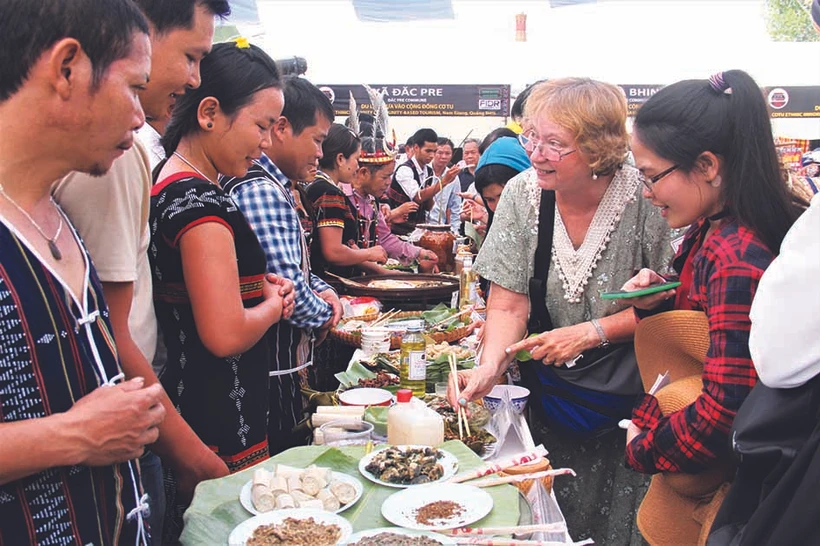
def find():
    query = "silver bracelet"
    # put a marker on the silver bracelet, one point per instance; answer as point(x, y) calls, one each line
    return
point(601, 333)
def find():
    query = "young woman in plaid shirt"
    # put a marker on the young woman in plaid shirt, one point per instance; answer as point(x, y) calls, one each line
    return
point(706, 153)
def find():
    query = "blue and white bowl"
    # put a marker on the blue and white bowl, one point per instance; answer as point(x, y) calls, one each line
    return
point(518, 398)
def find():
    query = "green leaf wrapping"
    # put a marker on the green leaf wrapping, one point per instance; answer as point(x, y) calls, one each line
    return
point(215, 510)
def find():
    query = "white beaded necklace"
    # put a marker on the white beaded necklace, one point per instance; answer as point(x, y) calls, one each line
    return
point(575, 267)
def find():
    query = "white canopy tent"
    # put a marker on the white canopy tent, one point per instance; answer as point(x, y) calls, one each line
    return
point(622, 41)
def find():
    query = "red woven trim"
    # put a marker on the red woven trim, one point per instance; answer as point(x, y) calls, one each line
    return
point(198, 221)
point(164, 183)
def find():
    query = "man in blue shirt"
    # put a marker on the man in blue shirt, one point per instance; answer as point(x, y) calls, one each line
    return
point(265, 197)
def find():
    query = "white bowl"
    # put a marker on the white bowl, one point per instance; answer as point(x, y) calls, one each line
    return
point(518, 396)
point(366, 396)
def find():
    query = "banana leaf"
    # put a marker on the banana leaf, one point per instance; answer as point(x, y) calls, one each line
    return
point(355, 371)
point(381, 361)
point(438, 371)
point(438, 313)
point(377, 416)
point(215, 510)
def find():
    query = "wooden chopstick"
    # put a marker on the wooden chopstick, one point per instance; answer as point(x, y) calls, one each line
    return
point(386, 316)
point(344, 280)
point(468, 310)
point(453, 371)
point(461, 413)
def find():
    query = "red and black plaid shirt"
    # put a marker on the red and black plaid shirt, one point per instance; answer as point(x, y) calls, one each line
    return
point(727, 269)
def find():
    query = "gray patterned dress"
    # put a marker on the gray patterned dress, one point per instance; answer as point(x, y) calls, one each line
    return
point(627, 233)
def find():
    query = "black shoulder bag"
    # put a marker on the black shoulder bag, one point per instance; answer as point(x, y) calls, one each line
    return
point(603, 371)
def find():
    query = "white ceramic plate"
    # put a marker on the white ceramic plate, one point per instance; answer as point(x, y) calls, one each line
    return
point(397, 531)
point(247, 503)
point(449, 462)
point(240, 535)
point(401, 508)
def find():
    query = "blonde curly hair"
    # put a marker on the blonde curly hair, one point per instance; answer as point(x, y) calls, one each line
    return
point(593, 112)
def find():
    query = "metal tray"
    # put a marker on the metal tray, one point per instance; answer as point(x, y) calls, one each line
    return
point(442, 292)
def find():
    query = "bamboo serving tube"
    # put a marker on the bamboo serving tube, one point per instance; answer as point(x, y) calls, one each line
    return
point(490, 482)
point(518, 529)
point(352, 421)
point(521, 458)
point(349, 410)
point(501, 541)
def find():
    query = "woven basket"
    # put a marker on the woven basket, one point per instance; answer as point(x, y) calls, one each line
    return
point(354, 339)
point(526, 485)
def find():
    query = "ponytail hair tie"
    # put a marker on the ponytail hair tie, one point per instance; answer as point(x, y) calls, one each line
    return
point(718, 84)
point(242, 42)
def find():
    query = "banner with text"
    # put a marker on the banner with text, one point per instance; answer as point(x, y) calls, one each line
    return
point(637, 95)
point(794, 102)
point(426, 100)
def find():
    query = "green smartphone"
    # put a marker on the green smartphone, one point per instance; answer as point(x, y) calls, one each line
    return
point(654, 289)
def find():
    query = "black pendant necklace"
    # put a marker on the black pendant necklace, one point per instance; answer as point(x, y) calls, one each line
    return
point(52, 241)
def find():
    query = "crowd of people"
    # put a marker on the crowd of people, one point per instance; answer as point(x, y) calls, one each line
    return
point(166, 267)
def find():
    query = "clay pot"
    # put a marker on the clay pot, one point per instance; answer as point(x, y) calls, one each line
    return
point(439, 239)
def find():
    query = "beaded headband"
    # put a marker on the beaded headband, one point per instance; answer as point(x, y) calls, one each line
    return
point(381, 122)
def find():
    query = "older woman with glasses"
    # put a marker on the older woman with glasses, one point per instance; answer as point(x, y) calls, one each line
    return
point(565, 231)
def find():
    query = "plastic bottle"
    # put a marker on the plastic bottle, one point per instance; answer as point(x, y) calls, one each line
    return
point(411, 422)
point(413, 370)
point(467, 285)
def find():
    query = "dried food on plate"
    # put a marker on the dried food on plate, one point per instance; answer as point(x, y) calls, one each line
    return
point(479, 416)
point(292, 528)
point(436, 350)
point(479, 441)
point(382, 379)
point(437, 507)
point(296, 532)
point(392, 538)
point(408, 465)
point(388, 362)
point(438, 510)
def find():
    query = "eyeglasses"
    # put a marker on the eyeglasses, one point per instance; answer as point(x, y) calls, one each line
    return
point(650, 181)
point(550, 150)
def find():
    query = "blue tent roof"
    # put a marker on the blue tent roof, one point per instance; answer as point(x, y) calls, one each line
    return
point(382, 11)
point(243, 11)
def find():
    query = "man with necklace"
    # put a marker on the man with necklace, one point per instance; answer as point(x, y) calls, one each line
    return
point(70, 430)
point(110, 213)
